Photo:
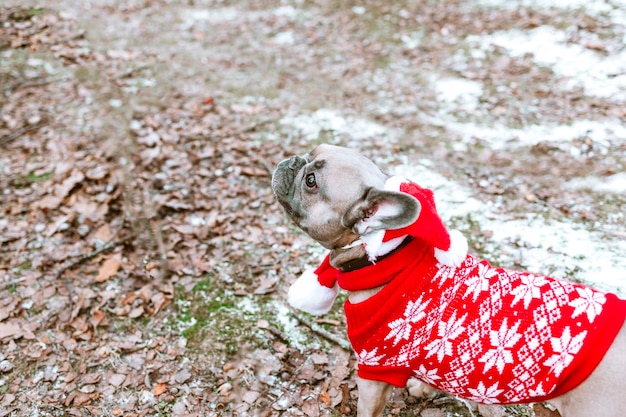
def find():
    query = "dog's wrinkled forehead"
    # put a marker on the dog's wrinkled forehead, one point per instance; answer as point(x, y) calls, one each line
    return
point(347, 162)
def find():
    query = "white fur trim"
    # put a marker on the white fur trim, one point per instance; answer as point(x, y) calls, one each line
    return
point(375, 247)
point(457, 252)
point(308, 295)
point(393, 183)
point(372, 242)
point(357, 242)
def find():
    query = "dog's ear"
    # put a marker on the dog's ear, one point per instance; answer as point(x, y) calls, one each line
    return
point(381, 210)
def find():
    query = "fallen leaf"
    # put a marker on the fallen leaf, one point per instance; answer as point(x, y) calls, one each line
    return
point(96, 318)
point(9, 330)
point(63, 189)
point(108, 269)
point(182, 376)
point(325, 398)
point(159, 389)
point(83, 398)
point(116, 379)
point(311, 408)
point(136, 312)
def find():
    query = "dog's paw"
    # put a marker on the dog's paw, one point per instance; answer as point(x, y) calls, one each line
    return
point(421, 389)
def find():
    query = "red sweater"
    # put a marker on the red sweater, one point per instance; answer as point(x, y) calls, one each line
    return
point(476, 331)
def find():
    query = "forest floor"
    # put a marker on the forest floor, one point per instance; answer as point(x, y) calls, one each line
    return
point(144, 261)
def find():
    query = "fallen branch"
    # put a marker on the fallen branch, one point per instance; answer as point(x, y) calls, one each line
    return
point(3, 285)
point(316, 328)
point(78, 35)
point(241, 131)
point(88, 256)
point(128, 73)
point(4, 140)
point(34, 82)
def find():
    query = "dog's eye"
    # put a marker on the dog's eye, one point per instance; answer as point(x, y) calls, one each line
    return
point(310, 181)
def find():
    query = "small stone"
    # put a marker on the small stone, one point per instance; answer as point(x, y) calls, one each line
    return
point(6, 366)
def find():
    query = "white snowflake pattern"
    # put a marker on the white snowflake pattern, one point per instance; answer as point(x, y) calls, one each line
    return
point(429, 376)
point(446, 332)
point(401, 327)
point(370, 358)
point(502, 340)
point(589, 302)
point(565, 347)
point(485, 395)
point(479, 282)
point(528, 289)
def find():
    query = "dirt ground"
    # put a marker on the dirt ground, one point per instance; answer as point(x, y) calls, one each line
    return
point(143, 259)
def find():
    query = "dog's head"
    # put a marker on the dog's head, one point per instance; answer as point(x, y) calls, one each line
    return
point(336, 195)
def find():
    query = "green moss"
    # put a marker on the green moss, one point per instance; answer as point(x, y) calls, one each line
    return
point(212, 313)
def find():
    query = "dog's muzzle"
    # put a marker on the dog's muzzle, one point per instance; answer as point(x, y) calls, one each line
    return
point(284, 175)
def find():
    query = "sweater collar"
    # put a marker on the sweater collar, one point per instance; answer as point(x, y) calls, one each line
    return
point(363, 274)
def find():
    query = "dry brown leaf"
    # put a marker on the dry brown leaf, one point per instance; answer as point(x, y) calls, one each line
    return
point(159, 389)
point(108, 269)
point(96, 318)
point(9, 330)
point(311, 408)
point(325, 398)
point(182, 376)
point(116, 379)
point(159, 300)
point(254, 172)
point(136, 312)
point(62, 190)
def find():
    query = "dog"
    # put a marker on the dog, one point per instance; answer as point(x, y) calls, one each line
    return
point(419, 306)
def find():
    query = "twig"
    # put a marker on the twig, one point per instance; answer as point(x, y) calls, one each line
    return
point(95, 253)
point(243, 130)
point(128, 72)
point(35, 82)
point(12, 282)
point(77, 35)
point(4, 140)
point(316, 328)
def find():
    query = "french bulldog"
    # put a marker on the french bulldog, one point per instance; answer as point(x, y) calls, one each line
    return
point(419, 306)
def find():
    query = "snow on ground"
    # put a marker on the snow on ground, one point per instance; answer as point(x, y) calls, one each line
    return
point(599, 74)
point(499, 136)
point(332, 121)
point(565, 247)
point(612, 184)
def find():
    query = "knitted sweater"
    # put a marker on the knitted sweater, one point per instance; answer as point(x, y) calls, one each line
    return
point(476, 331)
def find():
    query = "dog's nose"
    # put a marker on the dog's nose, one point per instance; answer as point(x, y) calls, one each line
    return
point(284, 175)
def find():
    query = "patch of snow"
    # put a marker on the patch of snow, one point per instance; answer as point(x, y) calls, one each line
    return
point(310, 126)
point(458, 90)
point(615, 184)
point(213, 15)
point(284, 38)
point(292, 328)
point(600, 75)
point(246, 304)
point(602, 133)
point(615, 10)
point(288, 11)
point(564, 247)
